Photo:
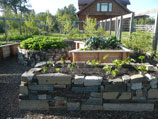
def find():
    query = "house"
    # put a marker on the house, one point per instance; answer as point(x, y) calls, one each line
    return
point(102, 9)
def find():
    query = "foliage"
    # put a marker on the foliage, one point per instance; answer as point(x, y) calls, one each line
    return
point(140, 42)
point(93, 62)
point(43, 43)
point(101, 43)
point(71, 66)
point(144, 21)
point(57, 69)
point(16, 37)
point(45, 68)
point(142, 68)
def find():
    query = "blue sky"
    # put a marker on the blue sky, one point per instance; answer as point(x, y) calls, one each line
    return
point(53, 5)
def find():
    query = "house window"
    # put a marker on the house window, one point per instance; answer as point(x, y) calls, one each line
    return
point(110, 7)
point(98, 7)
point(104, 7)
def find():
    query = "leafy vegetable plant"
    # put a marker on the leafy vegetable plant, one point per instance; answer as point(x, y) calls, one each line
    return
point(45, 68)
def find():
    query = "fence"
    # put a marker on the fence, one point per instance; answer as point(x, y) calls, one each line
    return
point(129, 18)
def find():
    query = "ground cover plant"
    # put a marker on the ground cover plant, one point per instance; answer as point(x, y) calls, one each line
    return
point(43, 43)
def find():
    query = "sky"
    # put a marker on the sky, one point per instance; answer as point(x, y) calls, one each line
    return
point(52, 5)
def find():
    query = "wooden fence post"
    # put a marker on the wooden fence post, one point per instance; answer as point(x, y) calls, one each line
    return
point(120, 28)
point(110, 23)
point(20, 27)
point(131, 23)
point(155, 38)
point(5, 28)
point(116, 26)
point(105, 24)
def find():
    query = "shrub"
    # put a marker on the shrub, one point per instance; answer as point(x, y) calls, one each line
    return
point(16, 37)
point(101, 43)
point(43, 43)
point(140, 42)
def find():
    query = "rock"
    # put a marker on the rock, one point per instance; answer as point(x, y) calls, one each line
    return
point(138, 78)
point(35, 70)
point(128, 107)
point(125, 96)
point(60, 101)
point(96, 95)
point(27, 76)
point(85, 89)
point(78, 80)
point(49, 88)
point(136, 86)
point(91, 107)
point(110, 95)
point(33, 105)
point(42, 97)
point(93, 81)
point(59, 86)
point(40, 64)
point(153, 93)
point(23, 90)
point(116, 81)
point(149, 77)
point(151, 68)
point(139, 93)
point(73, 106)
point(94, 101)
point(115, 87)
point(126, 78)
point(154, 83)
point(54, 78)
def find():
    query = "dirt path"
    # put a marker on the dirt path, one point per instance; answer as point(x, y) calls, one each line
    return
point(11, 71)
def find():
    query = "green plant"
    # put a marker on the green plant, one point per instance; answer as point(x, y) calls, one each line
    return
point(105, 57)
point(110, 71)
point(129, 60)
point(45, 68)
point(141, 68)
point(43, 43)
point(93, 62)
point(57, 69)
point(71, 66)
point(95, 43)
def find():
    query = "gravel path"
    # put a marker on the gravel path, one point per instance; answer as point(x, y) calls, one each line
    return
point(10, 72)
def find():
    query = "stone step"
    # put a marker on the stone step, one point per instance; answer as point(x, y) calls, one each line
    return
point(128, 107)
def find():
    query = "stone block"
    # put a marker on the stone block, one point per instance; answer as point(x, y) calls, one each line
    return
point(59, 86)
point(23, 90)
point(78, 80)
point(121, 87)
point(110, 95)
point(49, 88)
point(125, 96)
point(136, 86)
point(153, 93)
point(35, 70)
point(73, 106)
point(42, 97)
point(40, 64)
point(150, 77)
point(116, 81)
point(33, 105)
point(27, 76)
point(91, 107)
point(85, 89)
point(126, 78)
point(94, 101)
point(96, 95)
point(138, 78)
point(139, 93)
point(128, 107)
point(93, 81)
point(54, 78)
point(154, 83)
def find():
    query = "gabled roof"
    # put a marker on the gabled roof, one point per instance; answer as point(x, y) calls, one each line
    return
point(81, 2)
point(92, 1)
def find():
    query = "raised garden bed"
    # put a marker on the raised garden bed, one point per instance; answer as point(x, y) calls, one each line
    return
point(8, 50)
point(85, 55)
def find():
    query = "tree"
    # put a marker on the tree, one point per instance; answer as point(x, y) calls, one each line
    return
point(15, 5)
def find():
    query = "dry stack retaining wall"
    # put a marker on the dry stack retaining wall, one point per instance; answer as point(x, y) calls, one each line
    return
point(53, 91)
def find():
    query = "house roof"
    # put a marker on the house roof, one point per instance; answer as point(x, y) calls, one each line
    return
point(125, 2)
point(92, 1)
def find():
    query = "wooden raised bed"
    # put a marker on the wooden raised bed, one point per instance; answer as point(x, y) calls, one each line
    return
point(8, 50)
point(83, 56)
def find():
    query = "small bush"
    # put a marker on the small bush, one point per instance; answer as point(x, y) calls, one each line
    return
point(95, 43)
point(140, 42)
point(16, 37)
point(43, 43)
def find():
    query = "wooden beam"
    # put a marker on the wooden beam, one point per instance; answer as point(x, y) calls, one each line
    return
point(155, 38)
point(120, 28)
point(131, 24)
point(116, 26)
point(20, 27)
point(5, 29)
point(110, 25)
